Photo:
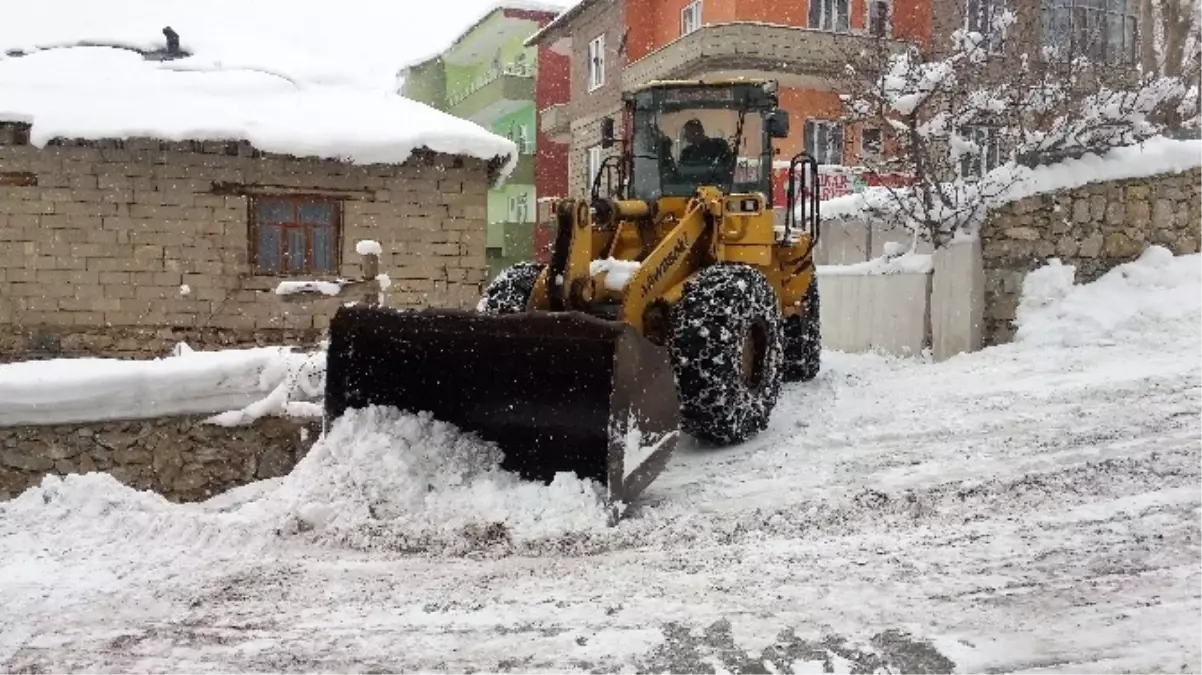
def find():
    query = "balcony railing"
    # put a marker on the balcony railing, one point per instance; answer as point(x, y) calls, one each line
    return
point(492, 75)
point(748, 46)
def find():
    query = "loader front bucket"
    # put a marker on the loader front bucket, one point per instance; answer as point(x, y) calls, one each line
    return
point(556, 391)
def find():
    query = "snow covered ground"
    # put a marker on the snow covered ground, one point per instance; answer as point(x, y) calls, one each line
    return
point(1030, 507)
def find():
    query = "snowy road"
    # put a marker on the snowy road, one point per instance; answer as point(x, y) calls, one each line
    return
point(1031, 507)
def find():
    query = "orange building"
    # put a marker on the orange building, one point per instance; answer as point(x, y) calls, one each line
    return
point(804, 44)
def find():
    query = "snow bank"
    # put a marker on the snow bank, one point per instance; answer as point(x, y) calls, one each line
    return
point(423, 477)
point(298, 394)
point(1155, 156)
point(377, 473)
point(101, 92)
point(906, 263)
point(1156, 297)
point(65, 391)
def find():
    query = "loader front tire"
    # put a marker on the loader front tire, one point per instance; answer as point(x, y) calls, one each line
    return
point(803, 340)
point(726, 351)
point(509, 292)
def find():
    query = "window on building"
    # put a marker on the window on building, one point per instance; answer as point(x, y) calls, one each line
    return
point(872, 142)
point(594, 165)
point(690, 17)
point(295, 235)
point(824, 141)
point(596, 62)
point(979, 17)
point(1103, 30)
point(878, 18)
point(833, 15)
point(988, 154)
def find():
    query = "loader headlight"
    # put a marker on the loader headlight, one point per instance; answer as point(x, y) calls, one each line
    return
point(743, 206)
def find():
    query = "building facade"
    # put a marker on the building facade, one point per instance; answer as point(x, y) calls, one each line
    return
point(488, 76)
point(617, 45)
point(122, 247)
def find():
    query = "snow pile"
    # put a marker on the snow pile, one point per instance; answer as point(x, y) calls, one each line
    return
point(423, 478)
point(617, 272)
point(1156, 297)
point(65, 391)
point(103, 92)
point(378, 474)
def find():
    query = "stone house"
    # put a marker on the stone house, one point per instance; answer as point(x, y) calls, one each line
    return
point(117, 245)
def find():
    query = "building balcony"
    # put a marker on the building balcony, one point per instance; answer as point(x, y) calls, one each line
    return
point(797, 57)
point(555, 123)
point(498, 93)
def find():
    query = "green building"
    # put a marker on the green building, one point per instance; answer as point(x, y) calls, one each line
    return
point(488, 77)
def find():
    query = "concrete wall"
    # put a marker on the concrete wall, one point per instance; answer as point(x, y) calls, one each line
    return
point(907, 313)
point(885, 312)
point(98, 238)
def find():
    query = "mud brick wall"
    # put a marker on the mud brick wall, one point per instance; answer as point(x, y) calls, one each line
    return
point(1094, 228)
point(96, 239)
point(181, 458)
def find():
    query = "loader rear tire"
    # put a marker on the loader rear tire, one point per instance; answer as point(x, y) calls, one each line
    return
point(724, 311)
point(509, 292)
point(803, 340)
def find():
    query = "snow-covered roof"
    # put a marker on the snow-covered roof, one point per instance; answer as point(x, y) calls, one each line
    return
point(103, 92)
point(561, 20)
point(521, 5)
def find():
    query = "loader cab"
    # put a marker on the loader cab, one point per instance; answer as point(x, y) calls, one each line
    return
point(687, 134)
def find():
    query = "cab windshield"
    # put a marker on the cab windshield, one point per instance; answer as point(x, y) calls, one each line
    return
point(678, 147)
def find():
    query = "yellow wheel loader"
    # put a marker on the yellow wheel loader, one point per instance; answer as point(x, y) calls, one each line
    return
point(671, 303)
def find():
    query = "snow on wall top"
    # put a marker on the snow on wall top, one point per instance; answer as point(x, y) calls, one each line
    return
point(104, 92)
point(1154, 156)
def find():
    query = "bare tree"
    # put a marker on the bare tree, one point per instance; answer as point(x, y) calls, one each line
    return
point(964, 123)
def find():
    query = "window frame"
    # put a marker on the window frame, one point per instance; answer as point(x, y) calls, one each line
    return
point(818, 20)
point(888, 25)
point(596, 63)
point(994, 43)
point(309, 266)
point(810, 139)
point(693, 12)
point(591, 170)
point(980, 161)
point(880, 150)
point(1060, 29)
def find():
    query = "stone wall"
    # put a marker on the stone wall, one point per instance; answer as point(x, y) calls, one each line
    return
point(98, 238)
point(182, 458)
point(1094, 228)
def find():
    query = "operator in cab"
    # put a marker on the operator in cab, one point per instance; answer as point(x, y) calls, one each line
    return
point(701, 150)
